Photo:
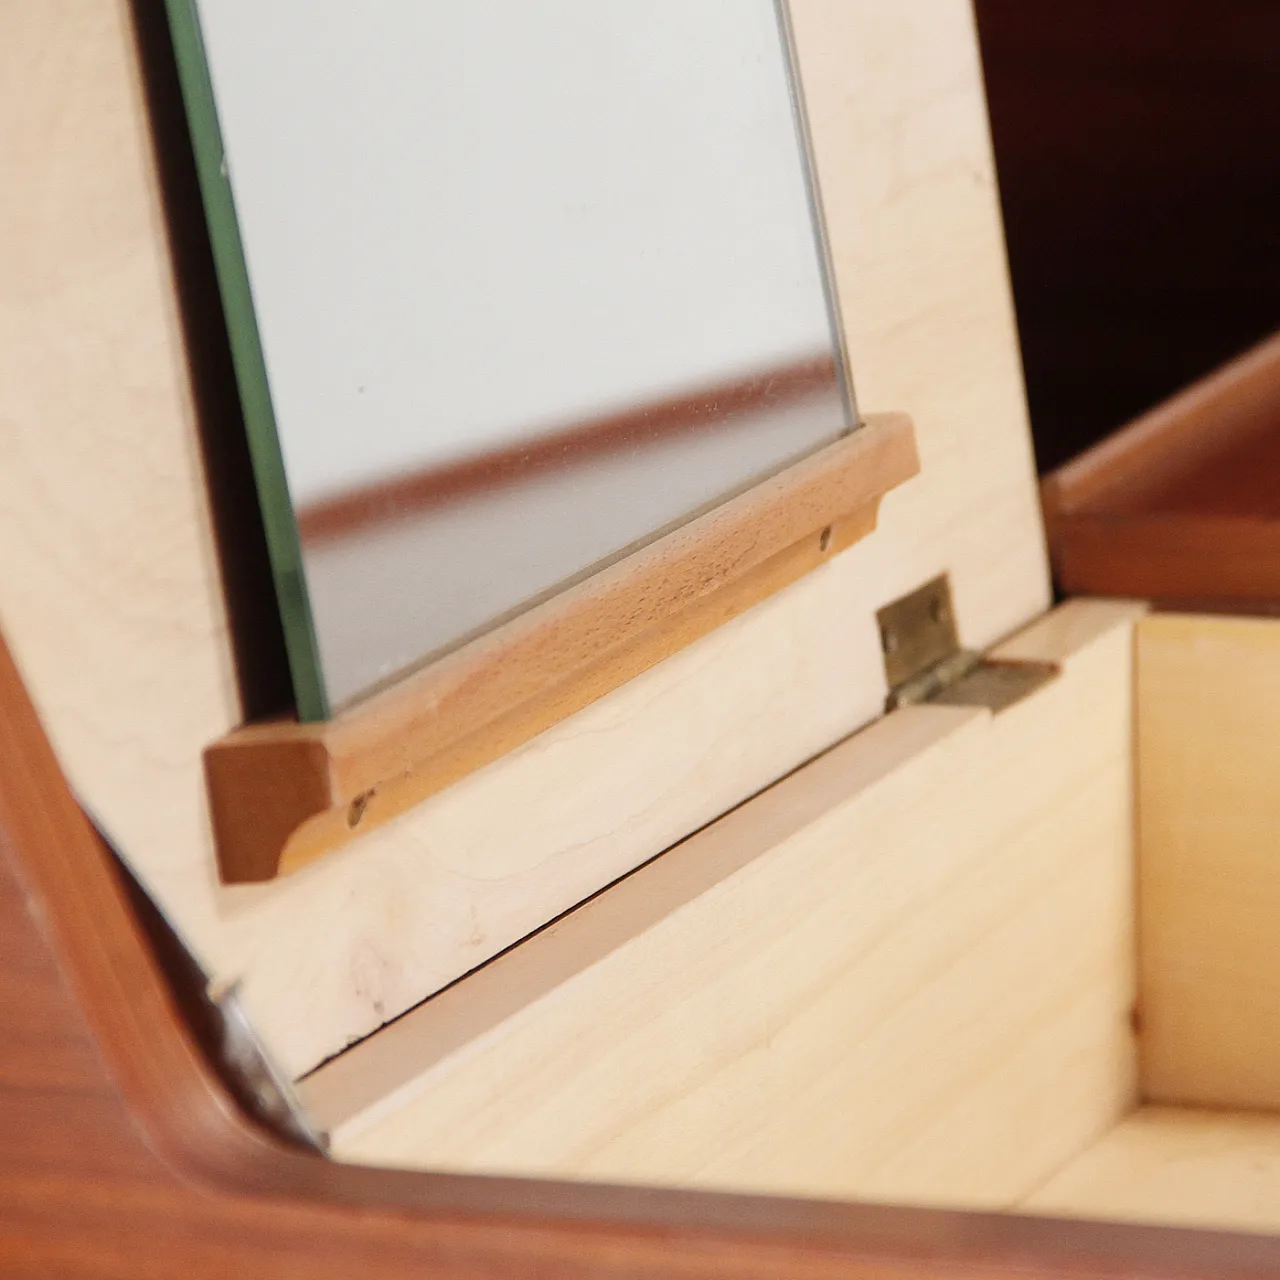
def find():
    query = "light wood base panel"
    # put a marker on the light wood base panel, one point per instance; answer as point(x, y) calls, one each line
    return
point(1209, 898)
point(1177, 1166)
point(903, 973)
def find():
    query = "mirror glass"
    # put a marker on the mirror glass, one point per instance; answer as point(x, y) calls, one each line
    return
point(512, 287)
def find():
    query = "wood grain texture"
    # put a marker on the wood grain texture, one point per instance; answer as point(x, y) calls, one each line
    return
point(124, 1158)
point(1215, 1169)
point(114, 611)
point(1182, 504)
point(903, 973)
point(1208, 716)
point(282, 793)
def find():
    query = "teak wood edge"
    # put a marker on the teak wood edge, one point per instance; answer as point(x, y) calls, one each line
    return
point(132, 1159)
point(281, 793)
point(1182, 505)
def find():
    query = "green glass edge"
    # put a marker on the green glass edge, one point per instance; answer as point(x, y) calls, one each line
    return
point(284, 546)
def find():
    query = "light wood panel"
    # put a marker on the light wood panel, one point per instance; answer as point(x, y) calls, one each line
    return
point(1208, 725)
point(109, 589)
point(1183, 1167)
point(905, 972)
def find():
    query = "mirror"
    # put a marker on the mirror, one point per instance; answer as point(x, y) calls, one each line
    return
point(512, 286)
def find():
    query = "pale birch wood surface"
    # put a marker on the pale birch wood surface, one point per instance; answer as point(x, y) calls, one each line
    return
point(1209, 764)
point(906, 972)
point(109, 591)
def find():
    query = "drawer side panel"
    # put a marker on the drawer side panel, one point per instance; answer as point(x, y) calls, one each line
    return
point(905, 973)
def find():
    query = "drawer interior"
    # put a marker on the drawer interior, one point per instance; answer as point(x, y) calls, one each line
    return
point(1017, 961)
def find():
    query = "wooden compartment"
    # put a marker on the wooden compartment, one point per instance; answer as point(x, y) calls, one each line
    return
point(1017, 961)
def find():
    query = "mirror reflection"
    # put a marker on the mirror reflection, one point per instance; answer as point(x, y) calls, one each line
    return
point(513, 287)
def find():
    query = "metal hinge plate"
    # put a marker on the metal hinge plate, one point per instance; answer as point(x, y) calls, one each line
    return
point(923, 660)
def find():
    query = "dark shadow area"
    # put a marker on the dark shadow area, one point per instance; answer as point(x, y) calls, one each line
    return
point(1138, 149)
point(256, 633)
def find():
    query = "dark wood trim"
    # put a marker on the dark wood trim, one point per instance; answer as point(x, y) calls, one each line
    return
point(711, 408)
point(1136, 145)
point(123, 1155)
point(282, 793)
point(1184, 503)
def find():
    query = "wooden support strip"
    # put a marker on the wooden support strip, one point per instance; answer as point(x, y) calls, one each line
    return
point(281, 793)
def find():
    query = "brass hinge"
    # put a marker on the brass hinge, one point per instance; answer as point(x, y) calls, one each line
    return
point(923, 660)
